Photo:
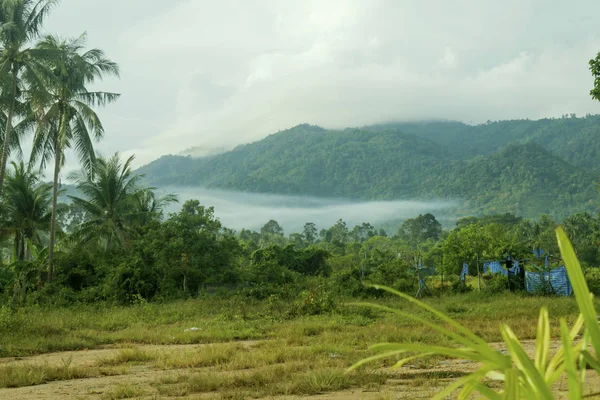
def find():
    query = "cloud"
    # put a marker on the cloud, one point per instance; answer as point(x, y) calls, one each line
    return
point(221, 73)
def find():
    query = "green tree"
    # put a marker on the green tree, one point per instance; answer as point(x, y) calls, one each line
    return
point(595, 68)
point(194, 246)
point(470, 244)
point(26, 209)
point(112, 200)
point(583, 230)
point(539, 235)
point(272, 228)
point(272, 233)
point(420, 229)
point(69, 120)
point(339, 233)
point(362, 232)
point(20, 24)
point(310, 232)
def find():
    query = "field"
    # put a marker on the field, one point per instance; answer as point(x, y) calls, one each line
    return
point(236, 348)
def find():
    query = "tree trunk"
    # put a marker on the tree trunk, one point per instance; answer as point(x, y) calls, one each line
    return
point(8, 130)
point(57, 154)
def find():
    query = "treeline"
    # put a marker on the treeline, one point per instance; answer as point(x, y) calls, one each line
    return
point(115, 244)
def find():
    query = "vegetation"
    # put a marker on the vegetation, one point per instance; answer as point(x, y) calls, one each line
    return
point(240, 338)
point(524, 167)
point(107, 266)
point(521, 377)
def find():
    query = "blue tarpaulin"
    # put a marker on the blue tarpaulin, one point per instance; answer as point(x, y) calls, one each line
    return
point(465, 272)
point(494, 267)
point(556, 281)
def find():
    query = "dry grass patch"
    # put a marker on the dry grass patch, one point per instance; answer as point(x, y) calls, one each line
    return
point(19, 375)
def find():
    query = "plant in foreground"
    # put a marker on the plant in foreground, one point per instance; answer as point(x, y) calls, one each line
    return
point(519, 376)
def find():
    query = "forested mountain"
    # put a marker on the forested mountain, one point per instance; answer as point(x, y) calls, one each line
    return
point(526, 167)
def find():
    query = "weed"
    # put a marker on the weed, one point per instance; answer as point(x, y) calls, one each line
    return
point(124, 391)
point(128, 356)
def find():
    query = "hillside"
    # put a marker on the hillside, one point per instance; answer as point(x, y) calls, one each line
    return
point(526, 167)
point(576, 140)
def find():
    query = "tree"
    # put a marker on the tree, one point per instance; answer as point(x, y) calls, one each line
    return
point(68, 120)
point(192, 238)
point(539, 235)
point(272, 233)
point(469, 244)
point(362, 232)
point(420, 229)
point(595, 68)
point(339, 233)
point(151, 206)
point(272, 228)
point(20, 23)
point(112, 200)
point(26, 209)
point(310, 232)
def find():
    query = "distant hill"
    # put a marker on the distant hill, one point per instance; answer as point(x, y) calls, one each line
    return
point(525, 167)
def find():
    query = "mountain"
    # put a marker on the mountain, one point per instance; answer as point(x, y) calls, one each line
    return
point(524, 179)
point(526, 167)
point(576, 140)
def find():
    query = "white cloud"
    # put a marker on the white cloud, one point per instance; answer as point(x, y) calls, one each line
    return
point(449, 60)
point(199, 72)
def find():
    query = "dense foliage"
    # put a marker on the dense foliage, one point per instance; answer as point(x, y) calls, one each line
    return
point(111, 241)
point(117, 245)
point(524, 167)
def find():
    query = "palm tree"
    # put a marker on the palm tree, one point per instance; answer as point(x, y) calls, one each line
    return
point(26, 209)
point(115, 202)
point(151, 206)
point(20, 23)
point(65, 105)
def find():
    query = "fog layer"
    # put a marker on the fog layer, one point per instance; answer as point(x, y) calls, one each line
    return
point(239, 210)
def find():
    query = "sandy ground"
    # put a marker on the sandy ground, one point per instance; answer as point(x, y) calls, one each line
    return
point(410, 382)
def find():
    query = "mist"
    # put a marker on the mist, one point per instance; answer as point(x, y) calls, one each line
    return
point(238, 210)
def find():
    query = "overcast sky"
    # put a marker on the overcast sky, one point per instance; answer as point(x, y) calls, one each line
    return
point(224, 72)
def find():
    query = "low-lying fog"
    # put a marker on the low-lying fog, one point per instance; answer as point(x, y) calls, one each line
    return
point(239, 210)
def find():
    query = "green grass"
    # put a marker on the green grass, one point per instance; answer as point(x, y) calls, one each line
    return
point(127, 356)
point(19, 375)
point(255, 355)
point(281, 379)
point(124, 391)
point(37, 330)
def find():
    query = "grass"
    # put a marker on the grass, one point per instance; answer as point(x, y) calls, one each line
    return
point(19, 375)
point(37, 330)
point(124, 391)
point(127, 356)
point(249, 354)
point(282, 379)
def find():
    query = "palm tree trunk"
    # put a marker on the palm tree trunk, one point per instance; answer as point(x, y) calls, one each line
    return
point(57, 154)
point(8, 130)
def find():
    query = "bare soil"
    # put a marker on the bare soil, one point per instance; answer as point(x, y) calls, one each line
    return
point(409, 382)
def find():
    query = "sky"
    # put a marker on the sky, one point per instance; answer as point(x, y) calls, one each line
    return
point(221, 73)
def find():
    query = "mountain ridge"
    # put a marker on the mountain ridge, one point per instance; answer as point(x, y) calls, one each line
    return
point(526, 167)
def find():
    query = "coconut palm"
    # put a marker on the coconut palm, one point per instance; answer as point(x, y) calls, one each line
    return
point(67, 119)
point(115, 202)
point(26, 209)
point(151, 206)
point(20, 24)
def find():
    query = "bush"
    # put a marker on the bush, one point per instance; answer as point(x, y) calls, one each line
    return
point(495, 283)
point(592, 277)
